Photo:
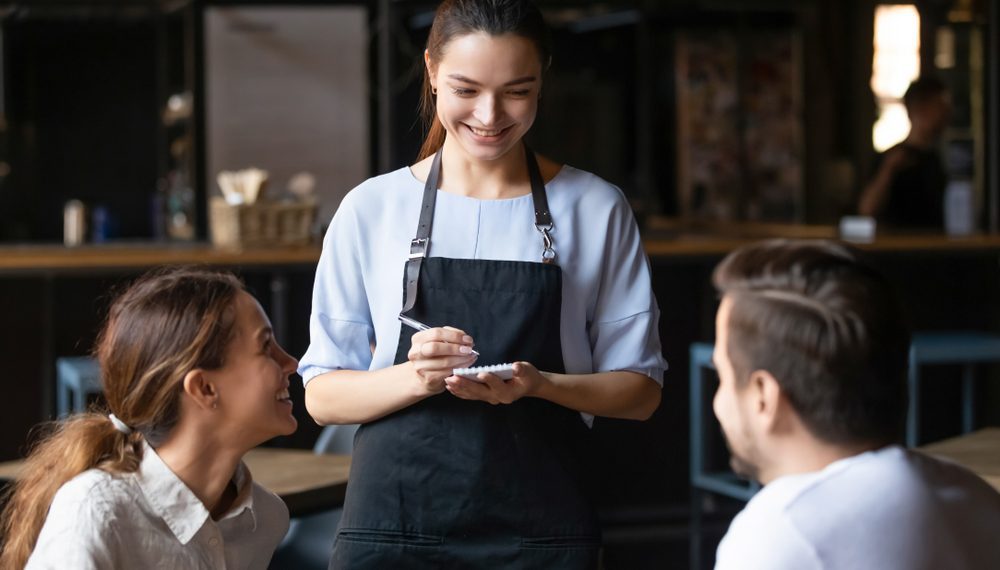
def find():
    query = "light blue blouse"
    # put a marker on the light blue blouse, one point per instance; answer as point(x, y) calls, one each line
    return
point(609, 315)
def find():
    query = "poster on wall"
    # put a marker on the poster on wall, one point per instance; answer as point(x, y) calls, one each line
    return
point(739, 126)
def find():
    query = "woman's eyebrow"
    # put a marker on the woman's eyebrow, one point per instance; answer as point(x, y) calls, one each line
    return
point(518, 81)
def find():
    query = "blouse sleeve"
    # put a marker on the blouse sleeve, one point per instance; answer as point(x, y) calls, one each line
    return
point(624, 332)
point(341, 332)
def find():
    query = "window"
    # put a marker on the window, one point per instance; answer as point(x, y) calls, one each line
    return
point(895, 64)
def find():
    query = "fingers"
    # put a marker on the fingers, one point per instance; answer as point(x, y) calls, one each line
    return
point(443, 334)
point(488, 388)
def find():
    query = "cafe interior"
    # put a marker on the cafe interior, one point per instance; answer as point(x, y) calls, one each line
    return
point(127, 127)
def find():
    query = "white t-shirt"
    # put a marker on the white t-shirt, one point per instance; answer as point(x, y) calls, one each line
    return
point(886, 509)
point(151, 519)
point(609, 316)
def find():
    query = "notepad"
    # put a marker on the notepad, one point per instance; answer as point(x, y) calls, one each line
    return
point(504, 371)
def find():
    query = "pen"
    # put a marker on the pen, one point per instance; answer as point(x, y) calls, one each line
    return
point(413, 323)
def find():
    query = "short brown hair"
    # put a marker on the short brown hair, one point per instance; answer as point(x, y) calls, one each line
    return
point(828, 327)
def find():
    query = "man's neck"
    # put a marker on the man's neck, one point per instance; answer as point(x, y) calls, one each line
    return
point(807, 454)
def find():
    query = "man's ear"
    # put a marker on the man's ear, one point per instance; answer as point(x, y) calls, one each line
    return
point(200, 389)
point(766, 399)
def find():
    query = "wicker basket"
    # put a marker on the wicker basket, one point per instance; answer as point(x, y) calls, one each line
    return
point(262, 224)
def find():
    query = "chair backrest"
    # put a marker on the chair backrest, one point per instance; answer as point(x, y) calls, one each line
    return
point(338, 439)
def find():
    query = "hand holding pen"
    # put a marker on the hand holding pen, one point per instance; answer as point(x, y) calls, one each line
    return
point(415, 324)
point(435, 352)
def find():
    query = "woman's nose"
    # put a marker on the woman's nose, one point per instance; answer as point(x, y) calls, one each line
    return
point(487, 110)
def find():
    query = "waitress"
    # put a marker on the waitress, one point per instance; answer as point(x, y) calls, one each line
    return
point(503, 253)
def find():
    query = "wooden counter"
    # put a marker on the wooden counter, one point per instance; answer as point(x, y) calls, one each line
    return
point(46, 258)
point(660, 240)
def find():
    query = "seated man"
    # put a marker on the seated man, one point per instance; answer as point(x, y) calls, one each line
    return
point(811, 351)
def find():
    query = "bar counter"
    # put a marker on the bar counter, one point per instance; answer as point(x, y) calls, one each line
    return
point(661, 239)
point(44, 258)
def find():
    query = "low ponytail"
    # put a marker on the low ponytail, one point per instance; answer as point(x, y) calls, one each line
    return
point(65, 449)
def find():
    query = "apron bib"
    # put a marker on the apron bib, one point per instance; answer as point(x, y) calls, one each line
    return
point(452, 483)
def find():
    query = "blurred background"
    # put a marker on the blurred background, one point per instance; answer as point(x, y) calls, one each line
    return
point(721, 120)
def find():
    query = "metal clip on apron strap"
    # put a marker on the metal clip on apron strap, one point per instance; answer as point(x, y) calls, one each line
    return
point(543, 219)
point(420, 244)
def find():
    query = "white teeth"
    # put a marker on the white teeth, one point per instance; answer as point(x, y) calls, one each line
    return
point(484, 133)
point(283, 395)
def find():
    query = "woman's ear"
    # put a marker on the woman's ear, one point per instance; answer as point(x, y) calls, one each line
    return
point(431, 71)
point(201, 390)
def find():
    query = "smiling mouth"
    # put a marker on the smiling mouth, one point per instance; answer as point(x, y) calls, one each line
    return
point(284, 396)
point(487, 132)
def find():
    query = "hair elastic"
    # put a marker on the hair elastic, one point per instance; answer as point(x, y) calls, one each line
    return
point(119, 425)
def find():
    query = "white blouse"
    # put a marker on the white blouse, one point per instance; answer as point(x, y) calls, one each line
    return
point(151, 519)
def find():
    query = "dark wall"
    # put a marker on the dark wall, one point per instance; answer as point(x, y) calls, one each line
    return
point(83, 123)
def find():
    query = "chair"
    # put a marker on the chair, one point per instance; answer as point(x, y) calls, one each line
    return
point(77, 378)
point(723, 482)
point(965, 348)
point(309, 541)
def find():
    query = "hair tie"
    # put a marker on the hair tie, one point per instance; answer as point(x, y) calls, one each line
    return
point(119, 425)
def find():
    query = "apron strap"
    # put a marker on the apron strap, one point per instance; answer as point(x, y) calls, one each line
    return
point(543, 219)
point(421, 243)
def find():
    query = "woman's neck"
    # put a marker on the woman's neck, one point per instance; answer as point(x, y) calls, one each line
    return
point(206, 467)
point(505, 177)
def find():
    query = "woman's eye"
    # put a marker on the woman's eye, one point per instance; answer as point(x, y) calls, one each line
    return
point(462, 91)
point(520, 92)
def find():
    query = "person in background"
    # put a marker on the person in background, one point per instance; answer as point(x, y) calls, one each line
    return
point(494, 247)
point(811, 352)
point(193, 379)
point(907, 190)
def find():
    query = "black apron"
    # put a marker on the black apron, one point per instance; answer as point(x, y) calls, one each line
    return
point(453, 483)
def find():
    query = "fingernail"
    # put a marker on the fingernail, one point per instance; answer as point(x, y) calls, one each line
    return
point(465, 349)
point(467, 339)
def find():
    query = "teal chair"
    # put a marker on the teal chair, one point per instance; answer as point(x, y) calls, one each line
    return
point(964, 348)
point(77, 378)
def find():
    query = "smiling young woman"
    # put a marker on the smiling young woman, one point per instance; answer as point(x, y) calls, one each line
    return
point(193, 380)
point(496, 248)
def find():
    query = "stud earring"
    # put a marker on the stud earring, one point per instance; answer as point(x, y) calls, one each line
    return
point(434, 90)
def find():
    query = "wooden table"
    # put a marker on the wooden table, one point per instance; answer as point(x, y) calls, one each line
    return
point(307, 482)
point(978, 451)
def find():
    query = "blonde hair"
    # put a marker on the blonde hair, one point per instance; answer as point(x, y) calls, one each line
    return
point(166, 324)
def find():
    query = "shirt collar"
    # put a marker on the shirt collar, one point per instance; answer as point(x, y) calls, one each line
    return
point(177, 505)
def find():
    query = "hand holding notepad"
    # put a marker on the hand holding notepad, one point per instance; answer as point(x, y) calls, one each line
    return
point(503, 371)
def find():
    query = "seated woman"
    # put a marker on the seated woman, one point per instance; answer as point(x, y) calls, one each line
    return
point(193, 379)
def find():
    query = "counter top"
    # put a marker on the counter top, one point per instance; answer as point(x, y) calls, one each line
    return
point(661, 240)
point(144, 255)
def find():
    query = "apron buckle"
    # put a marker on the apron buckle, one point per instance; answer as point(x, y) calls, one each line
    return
point(418, 248)
point(548, 252)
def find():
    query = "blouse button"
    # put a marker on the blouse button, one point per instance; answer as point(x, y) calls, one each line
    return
point(213, 541)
